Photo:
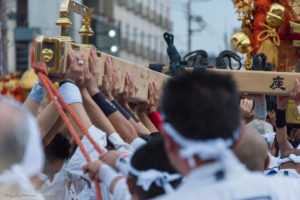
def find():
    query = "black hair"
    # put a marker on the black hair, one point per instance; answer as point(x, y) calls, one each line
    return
point(59, 148)
point(149, 137)
point(152, 156)
point(202, 104)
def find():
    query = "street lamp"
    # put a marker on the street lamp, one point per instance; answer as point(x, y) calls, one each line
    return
point(114, 48)
point(112, 33)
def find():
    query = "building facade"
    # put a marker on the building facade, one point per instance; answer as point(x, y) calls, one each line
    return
point(138, 24)
point(142, 24)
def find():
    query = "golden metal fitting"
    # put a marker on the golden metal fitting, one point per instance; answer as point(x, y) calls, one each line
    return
point(240, 42)
point(275, 16)
point(47, 55)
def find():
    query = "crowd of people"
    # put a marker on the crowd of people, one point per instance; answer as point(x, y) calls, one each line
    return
point(196, 138)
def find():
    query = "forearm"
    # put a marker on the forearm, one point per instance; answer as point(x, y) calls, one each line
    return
point(123, 127)
point(96, 115)
point(139, 127)
point(35, 98)
point(147, 122)
point(32, 106)
point(47, 118)
point(80, 112)
point(53, 131)
point(119, 122)
point(282, 140)
point(281, 130)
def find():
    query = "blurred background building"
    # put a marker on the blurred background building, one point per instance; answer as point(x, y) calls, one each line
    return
point(130, 29)
point(135, 28)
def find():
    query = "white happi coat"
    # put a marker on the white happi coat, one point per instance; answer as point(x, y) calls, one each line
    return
point(237, 184)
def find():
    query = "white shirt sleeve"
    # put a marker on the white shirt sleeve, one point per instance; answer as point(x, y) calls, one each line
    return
point(119, 144)
point(121, 191)
point(122, 164)
point(137, 142)
point(57, 189)
point(77, 161)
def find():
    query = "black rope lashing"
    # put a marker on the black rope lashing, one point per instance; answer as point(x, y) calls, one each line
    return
point(220, 60)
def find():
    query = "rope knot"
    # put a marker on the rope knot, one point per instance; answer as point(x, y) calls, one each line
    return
point(269, 33)
point(40, 68)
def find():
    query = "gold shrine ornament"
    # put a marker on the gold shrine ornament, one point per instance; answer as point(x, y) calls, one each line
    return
point(275, 16)
point(240, 42)
point(47, 55)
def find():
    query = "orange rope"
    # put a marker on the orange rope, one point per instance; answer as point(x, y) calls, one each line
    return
point(41, 71)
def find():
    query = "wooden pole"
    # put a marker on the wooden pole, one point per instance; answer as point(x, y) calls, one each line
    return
point(251, 82)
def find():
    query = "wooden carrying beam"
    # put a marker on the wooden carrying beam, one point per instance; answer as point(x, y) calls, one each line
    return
point(259, 82)
point(142, 76)
point(252, 82)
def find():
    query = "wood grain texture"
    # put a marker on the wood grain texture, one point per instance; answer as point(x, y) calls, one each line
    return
point(252, 82)
point(259, 82)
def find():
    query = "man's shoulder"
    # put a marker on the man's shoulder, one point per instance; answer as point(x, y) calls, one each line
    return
point(246, 186)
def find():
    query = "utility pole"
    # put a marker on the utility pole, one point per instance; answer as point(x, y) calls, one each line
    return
point(189, 25)
point(193, 18)
point(4, 39)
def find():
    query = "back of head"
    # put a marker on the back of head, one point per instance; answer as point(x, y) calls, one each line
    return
point(59, 148)
point(202, 105)
point(21, 152)
point(14, 133)
point(252, 150)
point(265, 129)
point(151, 156)
point(261, 126)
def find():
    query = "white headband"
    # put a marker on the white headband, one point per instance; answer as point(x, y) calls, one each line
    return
point(292, 158)
point(217, 148)
point(269, 137)
point(33, 159)
point(147, 177)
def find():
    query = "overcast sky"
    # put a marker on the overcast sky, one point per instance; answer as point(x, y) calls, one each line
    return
point(219, 16)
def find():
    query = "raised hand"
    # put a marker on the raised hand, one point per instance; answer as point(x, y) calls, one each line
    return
point(92, 169)
point(116, 86)
point(246, 106)
point(129, 91)
point(295, 92)
point(107, 79)
point(92, 83)
point(110, 158)
point(75, 71)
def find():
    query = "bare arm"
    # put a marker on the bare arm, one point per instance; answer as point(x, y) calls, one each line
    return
point(283, 143)
point(35, 98)
point(281, 129)
point(96, 115)
point(147, 122)
point(47, 118)
point(53, 131)
point(71, 93)
point(119, 122)
point(32, 106)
